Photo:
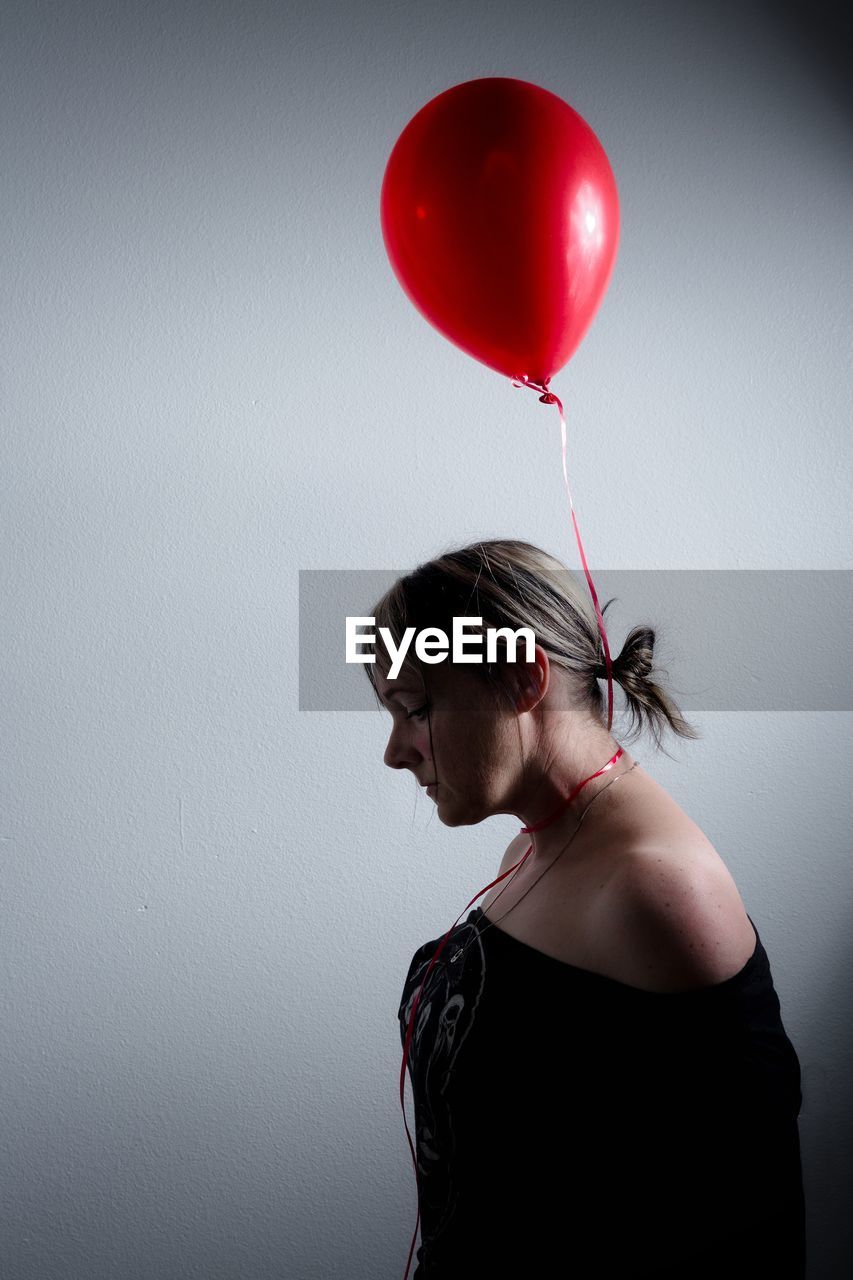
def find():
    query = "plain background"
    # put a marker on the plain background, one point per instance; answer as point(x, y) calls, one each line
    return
point(211, 380)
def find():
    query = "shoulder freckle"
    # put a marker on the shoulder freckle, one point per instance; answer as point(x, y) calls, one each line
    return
point(681, 928)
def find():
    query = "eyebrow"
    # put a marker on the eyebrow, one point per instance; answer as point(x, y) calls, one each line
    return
point(393, 697)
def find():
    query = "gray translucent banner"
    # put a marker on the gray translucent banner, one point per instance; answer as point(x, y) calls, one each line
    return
point(726, 639)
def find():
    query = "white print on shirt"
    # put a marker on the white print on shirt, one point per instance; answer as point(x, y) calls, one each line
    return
point(445, 1016)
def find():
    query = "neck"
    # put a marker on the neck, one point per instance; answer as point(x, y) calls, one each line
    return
point(544, 805)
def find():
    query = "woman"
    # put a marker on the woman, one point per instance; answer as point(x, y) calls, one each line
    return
point(602, 1083)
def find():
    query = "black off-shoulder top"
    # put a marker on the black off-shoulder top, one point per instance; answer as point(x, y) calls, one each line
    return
point(570, 1125)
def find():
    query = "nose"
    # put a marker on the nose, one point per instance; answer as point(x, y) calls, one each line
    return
point(401, 752)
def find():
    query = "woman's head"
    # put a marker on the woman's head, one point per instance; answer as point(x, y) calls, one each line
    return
point(483, 722)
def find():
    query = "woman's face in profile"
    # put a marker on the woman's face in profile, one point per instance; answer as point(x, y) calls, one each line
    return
point(474, 743)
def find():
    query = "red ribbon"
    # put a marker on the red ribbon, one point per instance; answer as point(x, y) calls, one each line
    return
point(546, 397)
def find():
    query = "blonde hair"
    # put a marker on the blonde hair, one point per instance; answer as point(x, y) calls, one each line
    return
point(516, 584)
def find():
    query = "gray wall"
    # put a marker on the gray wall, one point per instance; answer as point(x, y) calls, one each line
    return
point(211, 381)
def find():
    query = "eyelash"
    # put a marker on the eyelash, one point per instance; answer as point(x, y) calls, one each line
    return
point(421, 711)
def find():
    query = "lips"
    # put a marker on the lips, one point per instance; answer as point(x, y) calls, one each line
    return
point(431, 789)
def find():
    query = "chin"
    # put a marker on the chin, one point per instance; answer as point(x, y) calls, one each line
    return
point(440, 808)
point(465, 820)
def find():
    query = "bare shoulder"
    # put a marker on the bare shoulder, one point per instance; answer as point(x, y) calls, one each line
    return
point(677, 921)
point(515, 851)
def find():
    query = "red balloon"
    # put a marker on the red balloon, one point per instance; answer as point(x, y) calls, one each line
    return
point(500, 216)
